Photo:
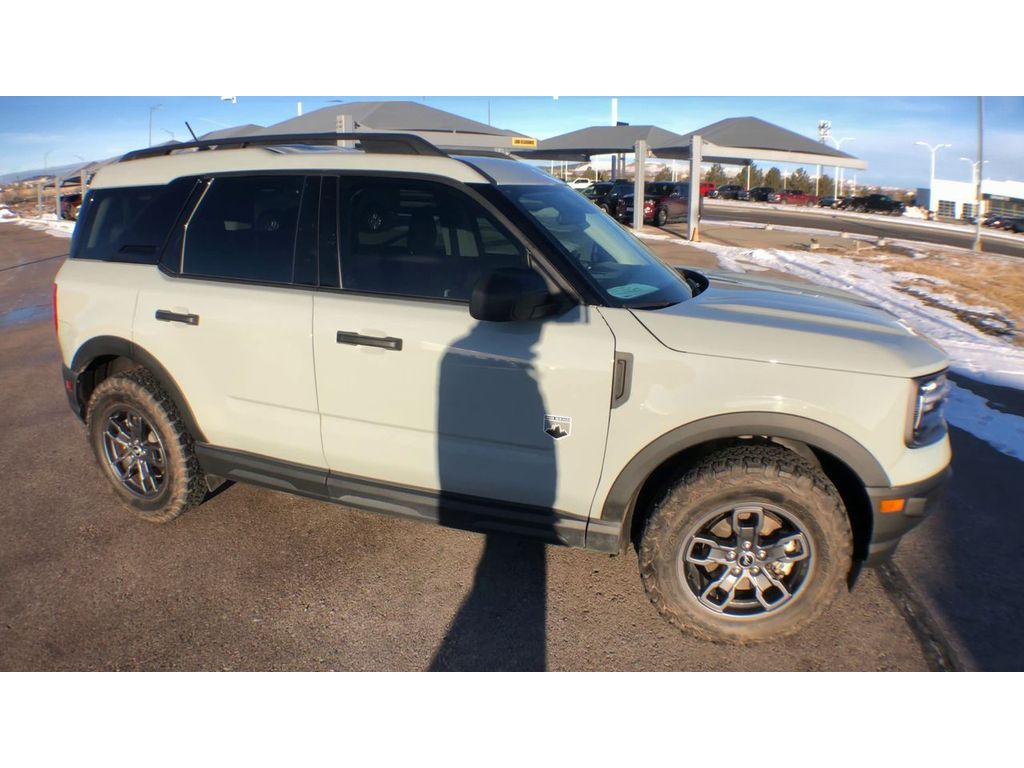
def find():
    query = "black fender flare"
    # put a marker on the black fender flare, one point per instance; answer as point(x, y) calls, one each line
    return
point(116, 346)
point(619, 504)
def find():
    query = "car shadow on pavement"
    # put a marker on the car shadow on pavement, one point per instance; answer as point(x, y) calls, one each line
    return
point(501, 626)
point(491, 424)
point(966, 559)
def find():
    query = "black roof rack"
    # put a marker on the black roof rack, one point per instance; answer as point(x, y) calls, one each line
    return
point(386, 143)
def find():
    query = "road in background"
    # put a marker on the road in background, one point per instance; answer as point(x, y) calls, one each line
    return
point(876, 226)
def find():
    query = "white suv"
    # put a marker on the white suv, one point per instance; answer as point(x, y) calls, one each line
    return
point(465, 340)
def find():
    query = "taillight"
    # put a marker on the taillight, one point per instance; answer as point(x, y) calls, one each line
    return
point(56, 328)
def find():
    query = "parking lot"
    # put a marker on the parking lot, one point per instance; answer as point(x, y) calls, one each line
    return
point(260, 580)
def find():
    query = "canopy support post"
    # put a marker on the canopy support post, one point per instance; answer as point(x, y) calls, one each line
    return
point(639, 163)
point(693, 214)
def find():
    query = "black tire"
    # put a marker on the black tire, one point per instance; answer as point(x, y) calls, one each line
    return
point(177, 480)
point(785, 487)
point(661, 217)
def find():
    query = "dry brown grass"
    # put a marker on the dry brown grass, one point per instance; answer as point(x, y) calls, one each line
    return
point(978, 279)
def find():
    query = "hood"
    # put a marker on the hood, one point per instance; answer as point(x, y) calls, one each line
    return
point(776, 321)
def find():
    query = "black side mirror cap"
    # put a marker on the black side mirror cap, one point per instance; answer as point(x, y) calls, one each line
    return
point(511, 293)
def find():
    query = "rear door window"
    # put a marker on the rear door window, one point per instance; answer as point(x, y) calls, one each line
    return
point(245, 229)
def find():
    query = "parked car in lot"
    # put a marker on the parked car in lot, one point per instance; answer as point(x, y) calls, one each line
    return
point(880, 204)
point(598, 194)
point(619, 188)
point(69, 206)
point(760, 195)
point(795, 197)
point(664, 201)
point(580, 183)
point(726, 192)
point(829, 202)
point(706, 188)
point(1013, 225)
point(466, 341)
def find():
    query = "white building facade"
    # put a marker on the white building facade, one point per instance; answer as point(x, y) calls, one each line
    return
point(955, 199)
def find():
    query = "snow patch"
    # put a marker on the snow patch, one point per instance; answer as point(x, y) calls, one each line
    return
point(971, 413)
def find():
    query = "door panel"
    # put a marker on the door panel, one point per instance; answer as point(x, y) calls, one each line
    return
point(246, 365)
point(461, 406)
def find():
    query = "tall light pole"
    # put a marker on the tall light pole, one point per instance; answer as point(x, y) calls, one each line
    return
point(931, 178)
point(977, 183)
point(152, 109)
point(839, 145)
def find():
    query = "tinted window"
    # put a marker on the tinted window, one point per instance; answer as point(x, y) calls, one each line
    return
point(624, 271)
point(419, 239)
point(129, 223)
point(244, 228)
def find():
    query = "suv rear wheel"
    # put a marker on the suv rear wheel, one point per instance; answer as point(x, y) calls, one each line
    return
point(753, 544)
point(143, 447)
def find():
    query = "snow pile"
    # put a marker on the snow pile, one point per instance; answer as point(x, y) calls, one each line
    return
point(50, 225)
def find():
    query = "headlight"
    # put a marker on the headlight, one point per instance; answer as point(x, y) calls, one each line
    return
point(927, 423)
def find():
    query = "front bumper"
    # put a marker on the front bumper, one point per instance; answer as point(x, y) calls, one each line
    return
point(887, 528)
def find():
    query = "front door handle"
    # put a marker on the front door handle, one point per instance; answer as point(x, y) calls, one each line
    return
point(176, 317)
point(358, 340)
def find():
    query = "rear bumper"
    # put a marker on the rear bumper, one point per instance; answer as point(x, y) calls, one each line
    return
point(888, 528)
point(71, 390)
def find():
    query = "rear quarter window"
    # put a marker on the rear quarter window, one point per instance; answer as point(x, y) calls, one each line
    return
point(128, 224)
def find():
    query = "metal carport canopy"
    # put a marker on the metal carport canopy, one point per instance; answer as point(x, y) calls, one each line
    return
point(733, 141)
point(742, 140)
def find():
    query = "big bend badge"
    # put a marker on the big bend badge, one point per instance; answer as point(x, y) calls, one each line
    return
point(558, 427)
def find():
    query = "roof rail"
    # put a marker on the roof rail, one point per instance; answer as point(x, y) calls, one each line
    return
point(386, 143)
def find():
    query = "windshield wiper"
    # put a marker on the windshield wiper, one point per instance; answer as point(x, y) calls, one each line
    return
point(656, 305)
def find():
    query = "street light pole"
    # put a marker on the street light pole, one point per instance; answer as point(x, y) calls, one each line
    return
point(152, 109)
point(839, 145)
point(931, 179)
point(977, 183)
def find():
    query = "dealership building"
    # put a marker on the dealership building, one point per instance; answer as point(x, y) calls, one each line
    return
point(956, 199)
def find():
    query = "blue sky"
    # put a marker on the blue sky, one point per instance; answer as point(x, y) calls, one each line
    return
point(63, 129)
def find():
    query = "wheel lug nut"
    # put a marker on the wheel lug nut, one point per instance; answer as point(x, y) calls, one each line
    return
point(746, 545)
point(755, 569)
point(730, 555)
point(761, 554)
point(736, 571)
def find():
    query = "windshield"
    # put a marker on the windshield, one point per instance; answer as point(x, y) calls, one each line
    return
point(622, 268)
point(660, 189)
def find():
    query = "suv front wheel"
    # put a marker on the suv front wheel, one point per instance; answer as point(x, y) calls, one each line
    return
point(143, 447)
point(751, 545)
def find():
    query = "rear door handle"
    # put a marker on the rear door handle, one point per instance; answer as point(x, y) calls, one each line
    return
point(358, 340)
point(176, 317)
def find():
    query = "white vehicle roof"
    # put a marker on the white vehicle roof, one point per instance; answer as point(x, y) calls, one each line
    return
point(163, 168)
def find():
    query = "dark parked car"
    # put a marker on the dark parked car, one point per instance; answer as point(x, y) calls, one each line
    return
point(829, 202)
point(69, 205)
point(619, 188)
point(1013, 225)
point(664, 201)
point(598, 194)
point(881, 204)
point(760, 195)
point(726, 192)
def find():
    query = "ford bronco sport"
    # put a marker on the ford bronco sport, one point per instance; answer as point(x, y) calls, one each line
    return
point(465, 340)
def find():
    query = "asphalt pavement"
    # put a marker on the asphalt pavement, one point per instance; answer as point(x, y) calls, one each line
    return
point(716, 212)
point(260, 580)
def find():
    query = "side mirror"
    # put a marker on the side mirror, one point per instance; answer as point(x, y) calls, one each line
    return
point(510, 293)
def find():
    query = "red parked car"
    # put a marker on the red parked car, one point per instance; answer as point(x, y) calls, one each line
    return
point(663, 200)
point(792, 197)
point(706, 187)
